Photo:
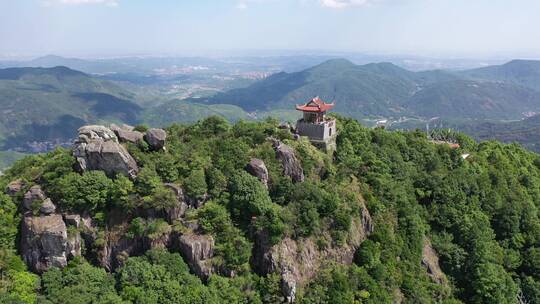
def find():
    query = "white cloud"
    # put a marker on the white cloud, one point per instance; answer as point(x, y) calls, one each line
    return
point(344, 3)
point(335, 4)
point(79, 2)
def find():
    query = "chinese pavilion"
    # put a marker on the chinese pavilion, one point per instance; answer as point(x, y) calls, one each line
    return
point(314, 124)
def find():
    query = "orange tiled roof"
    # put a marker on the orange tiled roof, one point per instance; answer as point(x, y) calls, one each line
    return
point(315, 105)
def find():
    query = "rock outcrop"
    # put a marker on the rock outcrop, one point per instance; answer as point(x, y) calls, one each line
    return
point(44, 242)
point(367, 222)
point(298, 261)
point(116, 245)
point(156, 138)
point(47, 207)
point(178, 211)
point(126, 133)
point(172, 214)
point(15, 187)
point(35, 198)
point(430, 260)
point(291, 164)
point(257, 168)
point(97, 148)
point(197, 202)
point(197, 250)
point(72, 220)
point(33, 195)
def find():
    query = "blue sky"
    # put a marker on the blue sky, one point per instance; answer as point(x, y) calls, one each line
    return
point(422, 27)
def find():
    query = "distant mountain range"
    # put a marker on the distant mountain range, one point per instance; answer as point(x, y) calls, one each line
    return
point(41, 107)
point(521, 72)
point(384, 89)
point(525, 132)
point(49, 104)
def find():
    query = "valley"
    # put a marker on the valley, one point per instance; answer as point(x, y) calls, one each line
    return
point(42, 106)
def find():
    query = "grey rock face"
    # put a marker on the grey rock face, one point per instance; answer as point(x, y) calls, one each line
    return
point(291, 164)
point(73, 245)
point(430, 260)
point(44, 242)
point(257, 168)
point(196, 202)
point(115, 251)
point(96, 132)
point(179, 210)
point(14, 187)
point(74, 239)
point(97, 148)
point(156, 138)
point(367, 222)
point(288, 287)
point(298, 261)
point(125, 133)
point(34, 194)
point(72, 220)
point(198, 251)
point(125, 127)
point(170, 214)
point(47, 207)
point(116, 246)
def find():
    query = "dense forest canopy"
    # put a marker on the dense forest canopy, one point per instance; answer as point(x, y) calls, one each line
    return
point(480, 215)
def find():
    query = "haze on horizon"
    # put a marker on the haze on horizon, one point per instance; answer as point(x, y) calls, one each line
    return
point(128, 27)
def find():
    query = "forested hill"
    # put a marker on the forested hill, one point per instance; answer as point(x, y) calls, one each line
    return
point(526, 132)
point(522, 72)
point(221, 213)
point(47, 105)
point(373, 88)
point(384, 89)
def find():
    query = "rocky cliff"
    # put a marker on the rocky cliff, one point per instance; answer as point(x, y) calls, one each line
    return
point(298, 261)
point(45, 241)
point(291, 164)
point(97, 148)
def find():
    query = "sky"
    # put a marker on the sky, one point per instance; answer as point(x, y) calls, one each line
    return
point(158, 27)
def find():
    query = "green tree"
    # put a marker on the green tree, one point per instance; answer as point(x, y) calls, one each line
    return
point(8, 222)
point(89, 191)
point(195, 184)
point(80, 282)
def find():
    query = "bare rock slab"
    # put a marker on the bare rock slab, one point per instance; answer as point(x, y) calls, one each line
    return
point(257, 168)
point(36, 198)
point(291, 164)
point(156, 138)
point(15, 187)
point(198, 251)
point(97, 148)
point(44, 242)
point(31, 196)
point(126, 133)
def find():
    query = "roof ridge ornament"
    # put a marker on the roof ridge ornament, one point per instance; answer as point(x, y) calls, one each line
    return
point(315, 105)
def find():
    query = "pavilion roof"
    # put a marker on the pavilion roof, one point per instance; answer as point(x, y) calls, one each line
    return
point(315, 105)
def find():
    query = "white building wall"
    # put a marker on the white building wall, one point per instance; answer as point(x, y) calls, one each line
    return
point(320, 131)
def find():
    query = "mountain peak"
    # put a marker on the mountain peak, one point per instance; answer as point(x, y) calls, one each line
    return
point(522, 62)
point(57, 71)
point(383, 66)
point(48, 57)
point(336, 63)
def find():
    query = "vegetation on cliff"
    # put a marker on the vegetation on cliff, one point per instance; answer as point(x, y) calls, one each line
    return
point(479, 213)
